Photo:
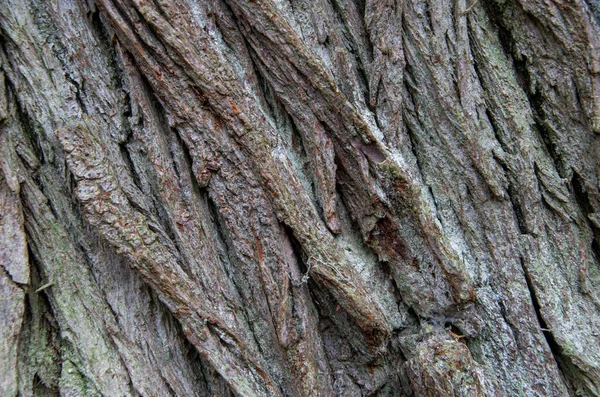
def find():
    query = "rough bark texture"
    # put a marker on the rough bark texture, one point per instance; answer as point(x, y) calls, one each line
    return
point(300, 197)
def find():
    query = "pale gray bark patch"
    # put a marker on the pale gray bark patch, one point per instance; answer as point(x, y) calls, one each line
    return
point(13, 252)
point(12, 308)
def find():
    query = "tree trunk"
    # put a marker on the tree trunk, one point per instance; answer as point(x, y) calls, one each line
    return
point(300, 198)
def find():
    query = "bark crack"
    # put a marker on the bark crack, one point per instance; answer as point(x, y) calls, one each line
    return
point(563, 362)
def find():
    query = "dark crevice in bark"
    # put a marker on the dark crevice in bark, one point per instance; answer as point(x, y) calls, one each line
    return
point(565, 366)
point(352, 48)
point(120, 7)
point(413, 317)
point(596, 249)
point(29, 130)
point(106, 44)
point(364, 82)
point(221, 234)
point(580, 191)
point(147, 29)
point(344, 32)
point(495, 129)
point(203, 370)
point(298, 144)
point(166, 382)
point(547, 134)
point(124, 148)
point(428, 17)
point(89, 252)
point(159, 9)
point(299, 149)
point(579, 100)
point(547, 205)
point(513, 194)
point(38, 279)
point(456, 332)
point(50, 191)
point(48, 29)
point(198, 190)
point(99, 27)
point(373, 109)
point(594, 6)
point(162, 212)
point(265, 90)
point(79, 90)
point(160, 312)
point(539, 23)
point(480, 78)
point(435, 206)
point(225, 7)
point(409, 88)
point(262, 84)
point(75, 232)
point(344, 327)
point(132, 388)
point(158, 213)
point(412, 312)
point(187, 158)
point(297, 250)
point(323, 326)
point(40, 389)
point(494, 12)
point(412, 137)
point(521, 67)
point(224, 242)
point(361, 6)
point(413, 140)
point(39, 336)
point(514, 328)
point(112, 310)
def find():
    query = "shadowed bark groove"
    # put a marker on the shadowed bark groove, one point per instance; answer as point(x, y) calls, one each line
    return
point(299, 198)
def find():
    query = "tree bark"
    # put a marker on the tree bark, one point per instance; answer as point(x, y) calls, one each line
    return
point(300, 198)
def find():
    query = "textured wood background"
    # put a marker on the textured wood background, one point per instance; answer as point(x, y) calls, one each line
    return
point(299, 197)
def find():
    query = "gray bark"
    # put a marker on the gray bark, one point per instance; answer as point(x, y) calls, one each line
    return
point(300, 198)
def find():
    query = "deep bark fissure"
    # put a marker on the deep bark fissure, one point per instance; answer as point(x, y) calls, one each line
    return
point(580, 191)
point(413, 316)
point(513, 193)
point(595, 9)
point(561, 360)
point(39, 321)
point(27, 126)
point(535, 97)
point(412, 140)
point(124, 149)
point(352, 47)
point(237, 277)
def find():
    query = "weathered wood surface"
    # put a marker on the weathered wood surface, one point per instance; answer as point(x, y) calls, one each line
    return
point(300, 198)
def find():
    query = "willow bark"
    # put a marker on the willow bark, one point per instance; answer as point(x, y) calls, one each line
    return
point(300, 198)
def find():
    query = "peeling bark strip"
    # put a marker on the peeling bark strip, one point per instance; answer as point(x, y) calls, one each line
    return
point(298, 198)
